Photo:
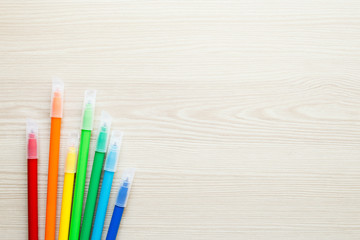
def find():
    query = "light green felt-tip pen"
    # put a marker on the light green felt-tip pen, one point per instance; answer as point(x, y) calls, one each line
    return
point(103, 137)
point(86, 127)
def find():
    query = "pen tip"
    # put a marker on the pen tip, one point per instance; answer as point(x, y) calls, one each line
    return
point(57, 93)
point(126, 182)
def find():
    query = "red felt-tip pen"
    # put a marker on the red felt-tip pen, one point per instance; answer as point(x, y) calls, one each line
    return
point(32, 155)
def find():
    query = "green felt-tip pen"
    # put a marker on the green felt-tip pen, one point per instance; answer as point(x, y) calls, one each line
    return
point(86, 127)
point(99, 156)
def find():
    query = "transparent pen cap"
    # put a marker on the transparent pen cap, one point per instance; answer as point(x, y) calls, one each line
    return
point(71, 158)
point(57, 98)
point(88, 110)
point(32, 139)
point(125, 186)
point(113, 151)
point(104, 132)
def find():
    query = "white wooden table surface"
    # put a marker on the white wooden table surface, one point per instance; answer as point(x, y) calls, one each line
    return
point(241, 117)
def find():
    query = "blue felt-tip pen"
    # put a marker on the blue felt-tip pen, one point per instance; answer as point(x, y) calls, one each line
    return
point(121, 200)
point(109, 170)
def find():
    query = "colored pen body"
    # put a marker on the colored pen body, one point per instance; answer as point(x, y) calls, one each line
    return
point(56, 115)
point(87, 124)
point(102, 205)
point(109, 169)
point(32, 155)
point(99, 156)
point(70, 170)
point(121, 200)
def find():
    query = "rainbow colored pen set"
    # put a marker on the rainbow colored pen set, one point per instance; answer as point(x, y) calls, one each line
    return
point(73, 224)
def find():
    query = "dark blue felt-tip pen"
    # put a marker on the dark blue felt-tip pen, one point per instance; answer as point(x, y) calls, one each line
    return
point(121, 200)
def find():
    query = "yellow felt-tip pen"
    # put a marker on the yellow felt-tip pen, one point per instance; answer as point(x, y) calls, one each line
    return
point(69, 177)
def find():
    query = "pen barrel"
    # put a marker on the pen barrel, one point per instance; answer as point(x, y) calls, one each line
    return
point(50, 224)
point(32, 199)
point(79, 185)
point(92, 195)
point(115, 223)
point(66, 206)
point(102, 205)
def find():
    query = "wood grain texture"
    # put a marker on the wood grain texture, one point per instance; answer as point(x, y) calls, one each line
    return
point(241, 117)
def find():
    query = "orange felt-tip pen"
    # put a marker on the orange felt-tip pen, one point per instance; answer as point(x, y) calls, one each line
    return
point(56, 115)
